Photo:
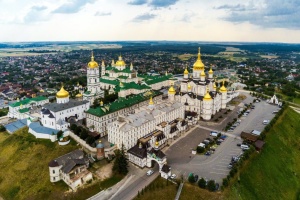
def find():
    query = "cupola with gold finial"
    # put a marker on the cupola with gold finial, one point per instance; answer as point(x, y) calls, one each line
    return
point(202, 73)
point(198, 65)
point(207, 96)
point(62, 93)
point(171, 90)
point(189, 87)
point(210, 71)
point(92, 64)
point(186, 71)
point(223, 88)
point(101, 103)
point(151, 101)
point(121, 84)
point(120, 62)
point(215, 86)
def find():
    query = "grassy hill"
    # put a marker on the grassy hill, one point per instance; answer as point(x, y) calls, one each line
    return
point(275, 172)
point(24, 172)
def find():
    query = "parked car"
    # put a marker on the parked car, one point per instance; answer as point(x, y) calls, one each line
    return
point(150, 172)
point(196, 177)
point(207, 153)
point(229, 166)
point(217, 186)
point(218, 142)
point(238, 144)
point(213, 133)
point(173, 176)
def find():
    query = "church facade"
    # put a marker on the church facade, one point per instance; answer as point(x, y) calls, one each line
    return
point(198, 92)
point(56, 115)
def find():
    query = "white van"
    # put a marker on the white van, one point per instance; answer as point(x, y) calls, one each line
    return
point(202, 145)
point(150, 172)
point(244, 147)
point(213, 133)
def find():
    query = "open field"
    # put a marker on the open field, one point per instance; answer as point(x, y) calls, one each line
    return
point(158, 189)
point(69, 47)
point(274, 173)
point(185, 56)
point(269, 57)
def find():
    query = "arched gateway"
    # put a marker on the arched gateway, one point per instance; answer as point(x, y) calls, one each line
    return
point(143, 156)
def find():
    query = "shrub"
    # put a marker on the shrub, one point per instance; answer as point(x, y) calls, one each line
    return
point(200, 149)
point(73, 127)
point(191, 178)
point(225, 182)
point(211, 185)
point(202, 183)
point(2, 128)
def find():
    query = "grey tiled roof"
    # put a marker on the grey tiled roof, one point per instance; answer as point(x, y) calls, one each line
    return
point(69, 160)
point(56, 107)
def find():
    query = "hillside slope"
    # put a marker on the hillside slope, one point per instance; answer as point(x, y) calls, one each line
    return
point(24, 172)
point(275, 172)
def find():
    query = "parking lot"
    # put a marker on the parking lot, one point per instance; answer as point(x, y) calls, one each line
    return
point(215, 166)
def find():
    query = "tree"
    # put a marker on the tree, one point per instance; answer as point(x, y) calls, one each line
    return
point(225, 182)
point(59, 134)
point(192, 178)
point(90, 140)
point(200, 149)
point(202, 183)
point(121, 162)
point(211, 185)
point(84, 133)
point(73, 127)
point(2, 128)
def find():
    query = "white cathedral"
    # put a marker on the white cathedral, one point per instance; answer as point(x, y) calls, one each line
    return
point(198, 92)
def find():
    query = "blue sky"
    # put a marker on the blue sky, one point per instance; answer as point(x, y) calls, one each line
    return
point(111, 20)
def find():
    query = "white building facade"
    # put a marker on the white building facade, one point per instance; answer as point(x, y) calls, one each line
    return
point(56, 115)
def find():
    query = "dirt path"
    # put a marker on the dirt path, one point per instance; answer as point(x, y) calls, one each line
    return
point(104, 172)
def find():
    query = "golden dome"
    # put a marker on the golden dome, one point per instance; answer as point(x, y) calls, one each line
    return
point(210, 71)
point(203, 73)
point(189, 86)
point(92, 64)
point(62, 93)
point(198, 65)
point(120, 62)
point(101, 103)
point(223, 88)
point(121, 84)
point(78, 95)
point(172, 90)
point(207, 96)
point(156, 143)
point(186, 71)
point(215, 85)
point(151, 101)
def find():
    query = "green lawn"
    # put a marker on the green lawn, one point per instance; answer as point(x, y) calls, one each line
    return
point(275, 172)
point(159, 189)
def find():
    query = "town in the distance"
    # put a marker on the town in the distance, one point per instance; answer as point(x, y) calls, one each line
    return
point(126, 122)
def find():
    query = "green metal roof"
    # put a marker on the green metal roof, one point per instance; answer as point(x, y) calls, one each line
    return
point(28, 101)
point(156, 79)
point(122, 103)
point(111, 82)
point(24, 110)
